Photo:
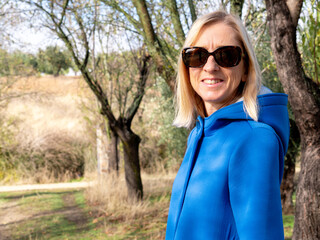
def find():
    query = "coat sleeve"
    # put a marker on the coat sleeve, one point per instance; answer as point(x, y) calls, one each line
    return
point(254, 187)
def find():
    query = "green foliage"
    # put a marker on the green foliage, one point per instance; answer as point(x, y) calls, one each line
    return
point(53, 60)
point(17, 63)
point(7, 145)
point(310, 40)
point(173, 139)
point(288, 222)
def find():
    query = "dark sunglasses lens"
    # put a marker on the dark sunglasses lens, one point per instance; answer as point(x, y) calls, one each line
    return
point(195, 57)
point(228, 56)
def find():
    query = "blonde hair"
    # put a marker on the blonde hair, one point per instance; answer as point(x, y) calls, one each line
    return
point(188, 102)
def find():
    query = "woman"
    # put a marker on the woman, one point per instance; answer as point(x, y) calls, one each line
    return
point(228, 185)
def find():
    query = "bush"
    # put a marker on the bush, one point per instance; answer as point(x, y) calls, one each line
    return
point(44, 141)
point(60, 155)
point(52, 158)
point(163, 145)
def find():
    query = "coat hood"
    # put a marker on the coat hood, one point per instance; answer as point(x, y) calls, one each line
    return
point(272, 111)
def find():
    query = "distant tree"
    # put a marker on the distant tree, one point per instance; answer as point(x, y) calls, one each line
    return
point(53, 60)
point(17, 63)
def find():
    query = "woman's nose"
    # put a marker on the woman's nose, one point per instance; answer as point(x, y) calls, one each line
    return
point(211, 65)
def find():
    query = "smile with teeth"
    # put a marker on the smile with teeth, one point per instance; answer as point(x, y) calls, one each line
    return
point(212, 81)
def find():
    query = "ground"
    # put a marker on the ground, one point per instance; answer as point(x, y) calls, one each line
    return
point(72, 214)
point(16, 221)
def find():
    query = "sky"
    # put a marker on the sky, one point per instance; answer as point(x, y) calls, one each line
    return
point(30, 40)
point(22, 34)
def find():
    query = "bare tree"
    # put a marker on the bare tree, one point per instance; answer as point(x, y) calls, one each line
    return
point(75, 23)
point(305, 101)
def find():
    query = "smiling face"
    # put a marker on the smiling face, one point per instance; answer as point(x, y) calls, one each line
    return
point(217, 86)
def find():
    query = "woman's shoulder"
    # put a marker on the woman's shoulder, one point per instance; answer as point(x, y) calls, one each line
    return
point(249, 126)
point(251, 131)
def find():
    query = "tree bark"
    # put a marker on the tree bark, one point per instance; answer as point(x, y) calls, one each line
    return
point(114, 153)
point(176, 21)
point(303, 98)
point(131, 143)
point(192, 10)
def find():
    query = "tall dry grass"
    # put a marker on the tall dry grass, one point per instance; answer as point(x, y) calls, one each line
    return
point(119, 216)
point(110, 195)
point(51, 135)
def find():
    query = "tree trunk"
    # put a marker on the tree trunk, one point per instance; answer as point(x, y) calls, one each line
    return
point(307, 214)
point(107, 150)
point(103, 149)
point(172, 4)
point(131, 143)
point(154, 46)
point(114, 153)
point(57, 73)
point(192, 10)
point(306, 108)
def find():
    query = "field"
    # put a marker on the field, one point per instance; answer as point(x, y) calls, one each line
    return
point(58, 112)
point(77, 214)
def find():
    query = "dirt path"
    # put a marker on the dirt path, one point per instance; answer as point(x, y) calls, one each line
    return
point(9, 214)
point(51, 186)
point(13, 215)
point(73, 213)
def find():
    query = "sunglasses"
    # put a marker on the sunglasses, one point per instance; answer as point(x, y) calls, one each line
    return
point(227, 56)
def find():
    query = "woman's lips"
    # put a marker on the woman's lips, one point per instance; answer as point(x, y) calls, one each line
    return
point(211, 81)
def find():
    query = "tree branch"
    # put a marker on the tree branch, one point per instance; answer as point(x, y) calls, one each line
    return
point(143, 76)
point(84, 39)
point(174, 13)
point(192, 10)
point(64, 8)
point(117, 7)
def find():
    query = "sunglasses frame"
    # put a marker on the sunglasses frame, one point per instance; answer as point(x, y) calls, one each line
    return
point(214, 56)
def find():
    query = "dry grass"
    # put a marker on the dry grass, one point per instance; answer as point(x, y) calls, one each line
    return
point(109, 192)
point(61, 85)
point(132, 220)
point(49, 126)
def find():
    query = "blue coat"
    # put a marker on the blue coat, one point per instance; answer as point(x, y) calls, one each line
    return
point(228, 185)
